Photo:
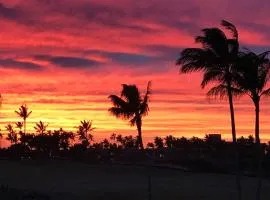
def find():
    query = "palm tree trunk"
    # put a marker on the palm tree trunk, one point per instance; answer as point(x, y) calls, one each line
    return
point(237, 169)
point(139, 128)
point(24, 123)
point(259, 150)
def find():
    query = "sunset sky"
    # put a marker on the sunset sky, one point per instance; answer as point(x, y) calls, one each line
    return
point(64, 57)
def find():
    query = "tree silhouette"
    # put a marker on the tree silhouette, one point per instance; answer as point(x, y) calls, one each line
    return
point(19, 125)
point(84, 132)
point(28, 140)
point(150, 145)
point(131, 106)
point(128, 142)
point(255, 73)
point(217, 60)
point(170, 141)
point(23, 113)
point(12, 135)
point(65, 138)
point(246, 141)
point(41, 127)
point(158, 141)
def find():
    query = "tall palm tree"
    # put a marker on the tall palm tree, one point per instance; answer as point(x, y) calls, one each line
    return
point(24, 113)
point(40, 127)
point(252, 80)
point(217, 60)
point(132, 106)
point(84, 132)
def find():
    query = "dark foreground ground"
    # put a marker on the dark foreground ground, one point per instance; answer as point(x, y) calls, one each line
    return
point(68, 180)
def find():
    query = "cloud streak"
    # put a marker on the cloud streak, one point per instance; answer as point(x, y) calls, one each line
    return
point(14, 64)
point(68, 62)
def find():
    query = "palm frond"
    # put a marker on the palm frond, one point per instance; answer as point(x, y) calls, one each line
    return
point(195, 59)
point(237, 92)
point(266, 92)
point(18, 113)
point(28, 114)
point(211, 75)
point(131, 94)
point(120, 113)
point(221, 91)
point(229, 26)
point(117, 101)
point(132, 122)
point(144, 108)
point(215, 40)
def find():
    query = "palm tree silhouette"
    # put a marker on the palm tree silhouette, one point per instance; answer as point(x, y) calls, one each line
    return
point(23, 113)
point(252, 80)
point(217, 60)
point(40, 127)
point(84, 132)
point(131, 106)
point(12, 135)
point(19, 125)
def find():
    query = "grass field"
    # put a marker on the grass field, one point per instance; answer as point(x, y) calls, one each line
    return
point(68, 180)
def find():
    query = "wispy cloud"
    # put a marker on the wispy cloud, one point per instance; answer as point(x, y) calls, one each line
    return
point(68, 62)
point(12, 63)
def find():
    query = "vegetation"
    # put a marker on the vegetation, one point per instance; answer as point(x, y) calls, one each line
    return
point(217, 59)
point(41, 127)
point(84, 132)
point(19, 125)
point(24, 113)
point(252, 77)
point(209, 154)
point(131, 106)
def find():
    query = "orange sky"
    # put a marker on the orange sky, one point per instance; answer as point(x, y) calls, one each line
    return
point(64, 58)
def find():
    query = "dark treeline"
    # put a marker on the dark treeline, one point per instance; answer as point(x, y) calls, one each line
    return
point(210, 154)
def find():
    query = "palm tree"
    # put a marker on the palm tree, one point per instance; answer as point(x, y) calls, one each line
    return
point(19, 125)
point(252, 80)
point(23, 113)
point(12, 135)
point(131, 106)
point(41, 127)
point(217, 60)
point(84, 132)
